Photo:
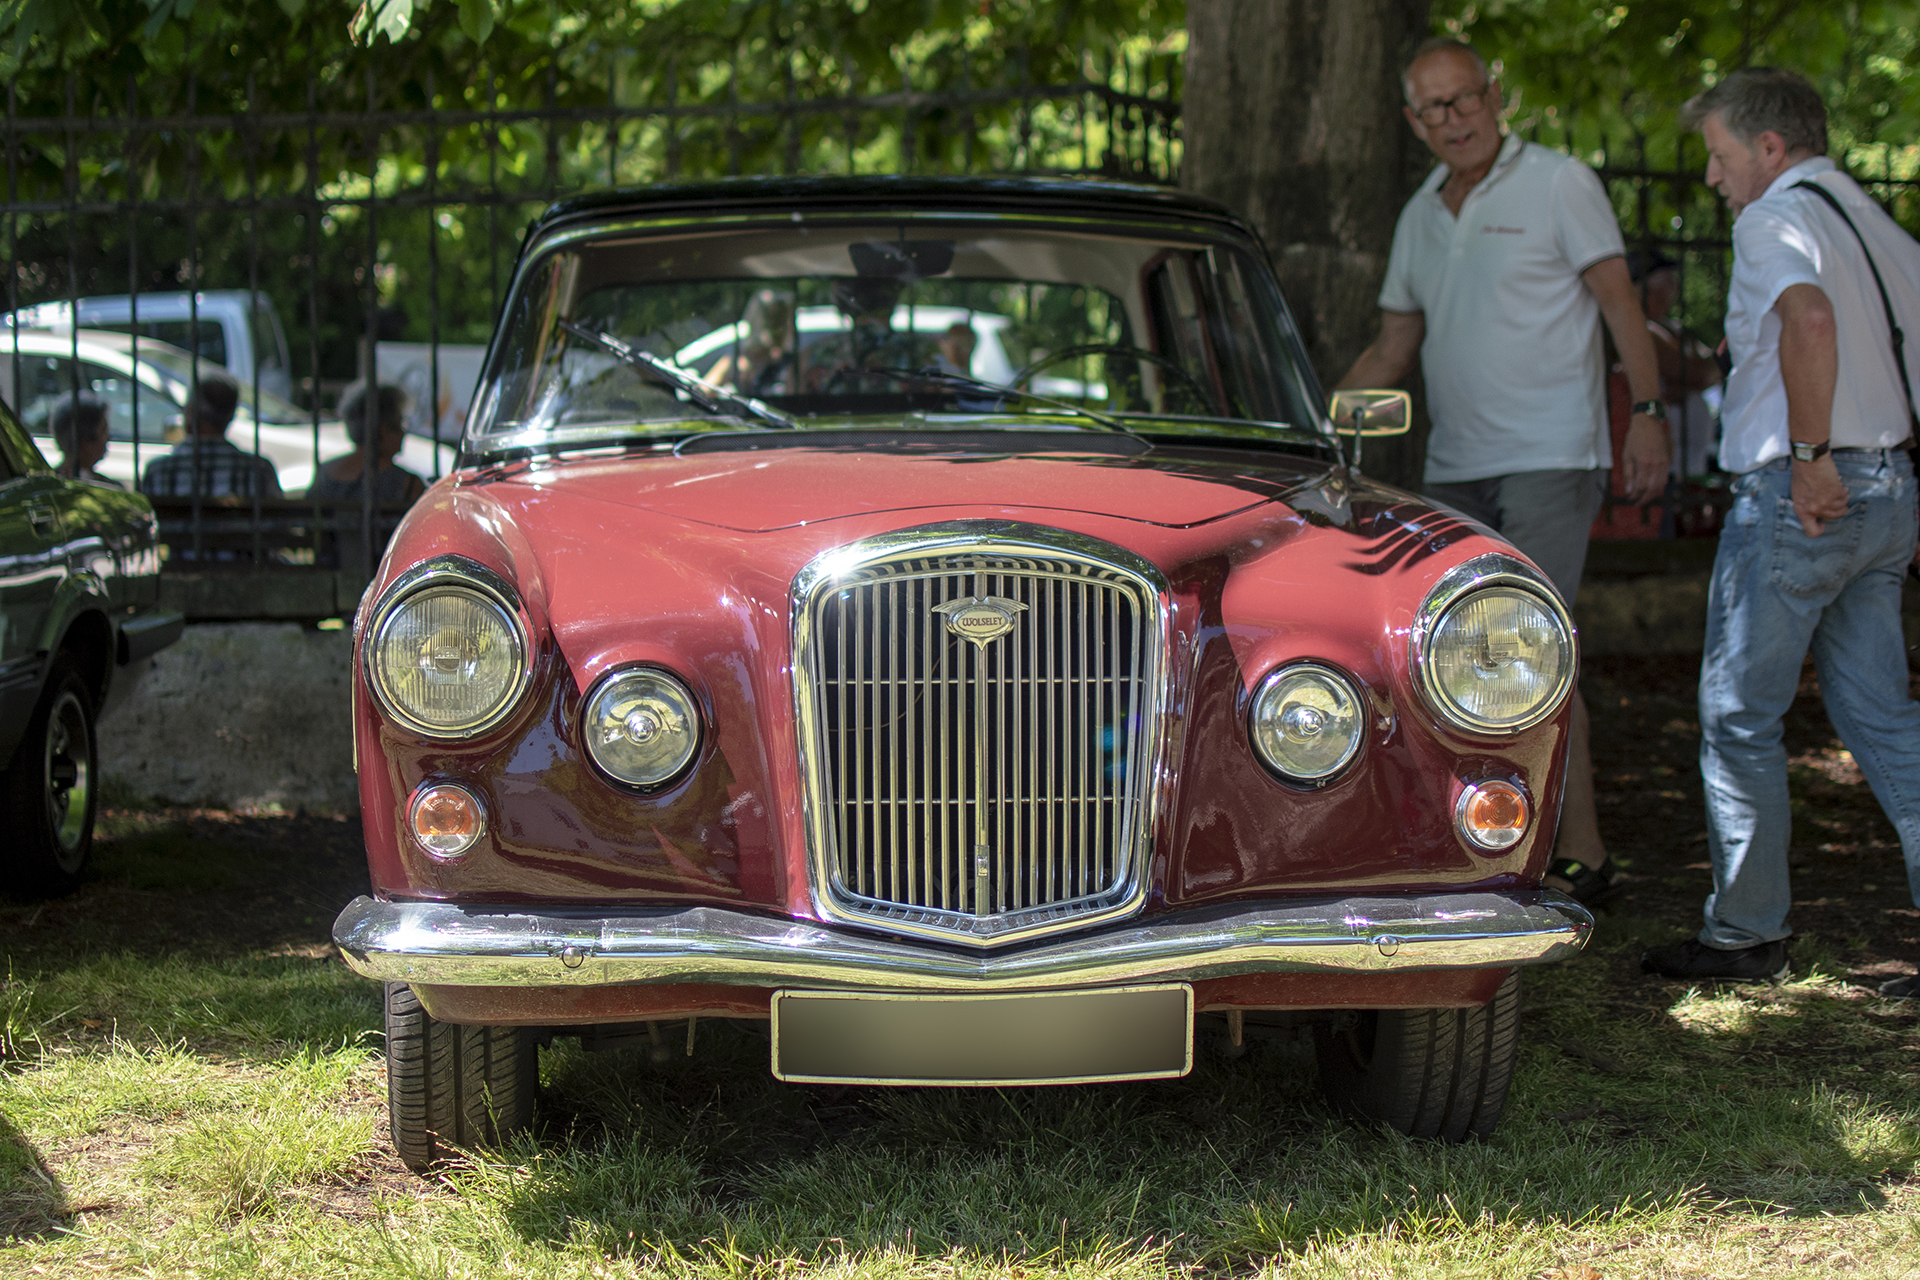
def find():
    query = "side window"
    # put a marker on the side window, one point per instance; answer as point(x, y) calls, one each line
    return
point(156, 412)
point(43, 380)
point(269, 351)
point(213, 339)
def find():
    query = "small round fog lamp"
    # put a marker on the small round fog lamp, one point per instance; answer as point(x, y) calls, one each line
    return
point(641, 726)
point(1492, 814)
point(446, 819)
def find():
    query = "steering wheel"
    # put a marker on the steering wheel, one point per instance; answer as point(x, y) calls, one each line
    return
point(1200, 392)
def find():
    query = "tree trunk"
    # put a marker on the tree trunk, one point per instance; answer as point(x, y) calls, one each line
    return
point(1291, 116)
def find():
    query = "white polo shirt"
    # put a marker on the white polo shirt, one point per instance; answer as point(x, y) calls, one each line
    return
point(1515, 370)
point(1789, 237)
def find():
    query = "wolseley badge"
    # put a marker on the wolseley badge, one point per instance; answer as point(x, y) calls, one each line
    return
point(981, 619)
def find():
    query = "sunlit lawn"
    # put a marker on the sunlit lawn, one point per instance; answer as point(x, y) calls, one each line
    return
point(165, 1113)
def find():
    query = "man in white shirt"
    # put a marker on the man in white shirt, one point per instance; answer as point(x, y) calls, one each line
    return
point(1504, 264)
point(1816, 420)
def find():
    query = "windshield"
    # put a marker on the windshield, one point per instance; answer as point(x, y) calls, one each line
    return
point(866, 320)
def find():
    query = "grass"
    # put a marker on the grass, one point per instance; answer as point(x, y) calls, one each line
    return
point(218, 1111)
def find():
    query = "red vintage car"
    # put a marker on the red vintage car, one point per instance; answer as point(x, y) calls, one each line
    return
point(944, 622)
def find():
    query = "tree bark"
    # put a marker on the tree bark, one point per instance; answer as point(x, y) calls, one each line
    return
point(1291, 118)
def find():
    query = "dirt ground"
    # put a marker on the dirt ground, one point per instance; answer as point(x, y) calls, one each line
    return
point(1850, 885)
point(218, 882)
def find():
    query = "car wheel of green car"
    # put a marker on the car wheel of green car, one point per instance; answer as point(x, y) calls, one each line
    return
point(452, 1088)
point(1429, 1073)
point(51, 787)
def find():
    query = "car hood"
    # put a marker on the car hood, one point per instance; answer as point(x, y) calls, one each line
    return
point(765, 490)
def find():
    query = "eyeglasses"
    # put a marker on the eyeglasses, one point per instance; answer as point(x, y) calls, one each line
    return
point(1461, 104)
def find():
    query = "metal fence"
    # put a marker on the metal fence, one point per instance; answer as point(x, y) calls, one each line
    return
point(384, 218)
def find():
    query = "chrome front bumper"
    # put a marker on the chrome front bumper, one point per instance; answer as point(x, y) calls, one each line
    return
point(492, 946)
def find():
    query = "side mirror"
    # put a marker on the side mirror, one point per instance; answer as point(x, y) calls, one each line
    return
point(1372, 413)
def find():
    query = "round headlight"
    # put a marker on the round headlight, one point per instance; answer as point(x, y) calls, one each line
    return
point(641, 726)
point(1307, 722)
point(448, 660)
point(1500, 659)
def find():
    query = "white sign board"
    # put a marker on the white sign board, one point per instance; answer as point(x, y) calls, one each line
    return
point(410, 366)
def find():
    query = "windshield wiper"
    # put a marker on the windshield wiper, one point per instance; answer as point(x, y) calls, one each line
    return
point(698, 389)
point(964, 382)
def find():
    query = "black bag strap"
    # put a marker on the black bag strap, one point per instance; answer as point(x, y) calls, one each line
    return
point(1893, 324)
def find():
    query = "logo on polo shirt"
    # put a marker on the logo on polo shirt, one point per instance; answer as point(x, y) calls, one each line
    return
point(1488, 229)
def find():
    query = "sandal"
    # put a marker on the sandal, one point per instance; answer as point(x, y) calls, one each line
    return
point(1589, 886)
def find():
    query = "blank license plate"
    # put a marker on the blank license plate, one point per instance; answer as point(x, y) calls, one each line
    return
point(1048, 1037)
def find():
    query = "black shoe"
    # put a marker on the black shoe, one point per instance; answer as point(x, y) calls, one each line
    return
point(1695, 959)
point(1907, 988)
point(1588, 886)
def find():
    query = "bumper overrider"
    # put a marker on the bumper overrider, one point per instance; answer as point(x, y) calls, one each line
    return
point(495, 946)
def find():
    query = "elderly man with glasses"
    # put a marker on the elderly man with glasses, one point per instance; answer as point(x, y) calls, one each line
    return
point(1504, 264)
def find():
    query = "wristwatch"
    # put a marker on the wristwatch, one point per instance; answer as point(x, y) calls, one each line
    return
point(1652, 408)
point(1804, 452)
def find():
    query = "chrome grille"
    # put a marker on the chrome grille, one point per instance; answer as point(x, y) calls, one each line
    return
point(981, 789)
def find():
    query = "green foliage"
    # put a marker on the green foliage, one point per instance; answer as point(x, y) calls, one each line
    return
point(1624, 69)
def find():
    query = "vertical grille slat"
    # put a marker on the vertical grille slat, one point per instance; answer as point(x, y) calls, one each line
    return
point(937, 756)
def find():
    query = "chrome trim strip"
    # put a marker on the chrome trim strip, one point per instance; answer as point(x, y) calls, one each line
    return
point(1494, 569)
point(958, 918)
point(491, 946)
point(442, 571)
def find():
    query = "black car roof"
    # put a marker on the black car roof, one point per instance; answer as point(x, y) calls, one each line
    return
point(1086, 195)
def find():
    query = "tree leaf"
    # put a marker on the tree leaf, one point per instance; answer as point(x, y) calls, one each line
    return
point(476, 19)
point(394, 18)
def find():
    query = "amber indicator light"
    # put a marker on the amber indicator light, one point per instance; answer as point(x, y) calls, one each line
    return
point(446, 819)
point(1493, 814)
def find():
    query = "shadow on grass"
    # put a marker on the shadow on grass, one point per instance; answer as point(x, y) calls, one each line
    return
point(32, 1202)
point(1688, 1108)
point(205, 927)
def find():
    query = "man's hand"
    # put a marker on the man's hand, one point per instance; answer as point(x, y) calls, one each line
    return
point(1819, 494)
point(1645, 457)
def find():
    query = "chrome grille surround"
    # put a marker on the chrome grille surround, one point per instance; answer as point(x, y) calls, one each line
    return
point(908, 763)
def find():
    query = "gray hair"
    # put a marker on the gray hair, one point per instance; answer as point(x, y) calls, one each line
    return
point(1442, 44)
point(1757, 100)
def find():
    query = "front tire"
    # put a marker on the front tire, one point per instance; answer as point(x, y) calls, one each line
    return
point(51, 787)
point(452, 1087)
point(1428, 1073)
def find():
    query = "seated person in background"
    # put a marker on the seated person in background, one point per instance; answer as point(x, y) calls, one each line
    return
point(79, 425)
point(1687, 365)
point(761, 363)
point(955, 354)
point(339, 479)
point(206, 462)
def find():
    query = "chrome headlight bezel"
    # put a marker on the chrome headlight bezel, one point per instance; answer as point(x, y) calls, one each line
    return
point(696, 714)
point(1482, 573)
point(492, 591)
point(1313, 782)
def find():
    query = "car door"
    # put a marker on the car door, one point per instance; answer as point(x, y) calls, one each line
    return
point(31, 568)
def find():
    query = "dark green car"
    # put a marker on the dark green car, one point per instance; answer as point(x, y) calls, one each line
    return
point(79, 616)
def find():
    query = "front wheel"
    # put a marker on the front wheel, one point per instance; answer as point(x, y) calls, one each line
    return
point(51, 787)
point(453, 1087)
point(1429, 1073)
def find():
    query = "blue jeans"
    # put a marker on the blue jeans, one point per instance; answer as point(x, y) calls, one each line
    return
point(1775, 592)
